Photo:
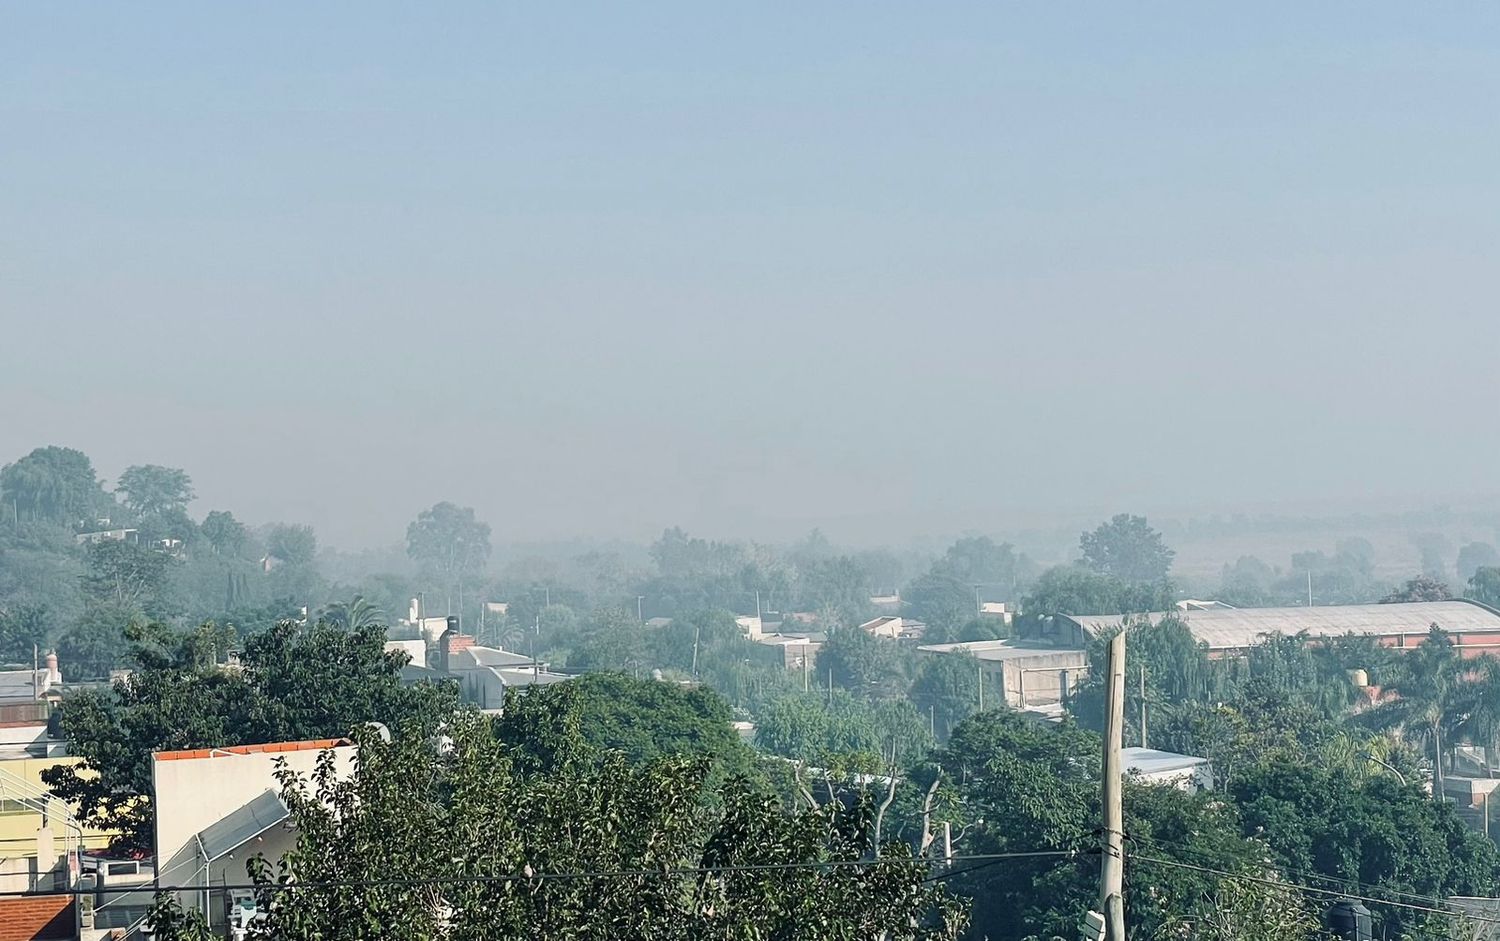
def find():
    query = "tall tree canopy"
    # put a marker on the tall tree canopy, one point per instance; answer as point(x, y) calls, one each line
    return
point(1127, 548)
point(980, 561)
point(1074, 589)
point(1421, 588)
point(150, 489)
point(53, 484)
point(1484, 586)
point(295, 683)
point(292, 544)
point(449, 543)
point(597, 848)
point(225, 534)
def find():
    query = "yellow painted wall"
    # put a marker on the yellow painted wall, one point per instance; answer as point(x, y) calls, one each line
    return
point(18, 827)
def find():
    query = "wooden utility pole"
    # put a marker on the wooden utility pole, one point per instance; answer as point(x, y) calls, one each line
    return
point(1112, 848)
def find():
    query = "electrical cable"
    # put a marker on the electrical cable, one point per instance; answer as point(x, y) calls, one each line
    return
point(1003, 857)
point(1260, 880)
point(553, 876)
point(1171, 845)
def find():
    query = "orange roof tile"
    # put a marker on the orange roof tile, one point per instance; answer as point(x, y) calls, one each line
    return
point(316, 744)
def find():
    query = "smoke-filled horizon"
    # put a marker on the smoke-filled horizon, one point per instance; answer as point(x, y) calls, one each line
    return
point(751, 272)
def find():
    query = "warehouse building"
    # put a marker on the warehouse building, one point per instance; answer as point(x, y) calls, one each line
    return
point(1231, 631)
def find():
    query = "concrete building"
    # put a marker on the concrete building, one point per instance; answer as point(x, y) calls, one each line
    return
point(793, 651)
point(216, 808)
point(415, 650)
point(1022, 674)
point(40, 841)
point(30, 686)
point(887, 626)
point(1184, 772)
point(107, 535)
point(1231, 631)
point(997, 610)
point(891, 627)
point(750, 625)
point(485, 673)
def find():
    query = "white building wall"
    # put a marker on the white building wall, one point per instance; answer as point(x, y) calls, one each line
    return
point(193, 793)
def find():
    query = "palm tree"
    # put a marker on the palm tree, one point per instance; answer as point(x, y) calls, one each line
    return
point(1481, 722)
point(1431, 691)
point(353, 615)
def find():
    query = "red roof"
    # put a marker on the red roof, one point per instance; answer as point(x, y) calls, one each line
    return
point(316, 744)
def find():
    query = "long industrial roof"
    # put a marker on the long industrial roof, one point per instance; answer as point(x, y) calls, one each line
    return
point(1225, 628)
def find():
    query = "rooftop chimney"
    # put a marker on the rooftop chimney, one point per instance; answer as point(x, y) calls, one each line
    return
point(445, 643)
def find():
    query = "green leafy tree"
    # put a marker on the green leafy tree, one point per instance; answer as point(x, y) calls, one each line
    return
point(449, 544)
point(1019, 786)
point(1127, 548)
point(641, 719)
point(23, 628)
point(1245, 910)
point(946, 690)
point(292, 545)
point(944, 603)
point(295, 683)
point(1427, 698)
point(1484, 587)
point(863, 664)
point(598, 847)
point(227, 535)
point(96, 643)
point(611, 640)
point(842, 731)
point(124, 573)
point(1421, 588)
point(1073, 589)
point(1436, 550)
point(1176, 669)
point(840, 582)
point(1475, 556)
point(150, 489)
point(1369, 831)
point(1247, 583)
point(53, 484)
point(356, 614)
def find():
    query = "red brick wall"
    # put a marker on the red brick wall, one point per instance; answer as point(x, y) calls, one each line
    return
point(37, 918)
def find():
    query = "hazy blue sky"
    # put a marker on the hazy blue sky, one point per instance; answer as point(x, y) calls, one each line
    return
point(885, 268)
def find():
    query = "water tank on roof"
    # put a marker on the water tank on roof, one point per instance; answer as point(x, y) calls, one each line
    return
point(1349, 920)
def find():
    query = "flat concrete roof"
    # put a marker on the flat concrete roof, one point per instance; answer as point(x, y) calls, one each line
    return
point(1004, 650)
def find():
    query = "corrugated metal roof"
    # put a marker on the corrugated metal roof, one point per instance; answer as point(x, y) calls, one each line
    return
point(1151, 761)
point(1243, 627)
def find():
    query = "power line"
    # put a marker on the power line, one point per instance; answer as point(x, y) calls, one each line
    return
point(553, 876)
point(996, 859)
point(1298, 874)
point(1244, 877)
